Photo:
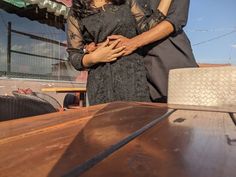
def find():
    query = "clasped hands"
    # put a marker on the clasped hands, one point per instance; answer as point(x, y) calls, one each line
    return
point(114, 47)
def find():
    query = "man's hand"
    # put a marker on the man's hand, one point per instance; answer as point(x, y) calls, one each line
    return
point(130, 44)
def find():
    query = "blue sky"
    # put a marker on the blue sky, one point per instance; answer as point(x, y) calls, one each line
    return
point(210, 19)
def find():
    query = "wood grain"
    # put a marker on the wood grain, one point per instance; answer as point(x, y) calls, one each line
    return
point(53, 144)
point(187, 144)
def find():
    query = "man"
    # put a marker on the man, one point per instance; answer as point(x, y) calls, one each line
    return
point(166, 45)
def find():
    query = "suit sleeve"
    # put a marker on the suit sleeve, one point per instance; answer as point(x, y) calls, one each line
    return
point(178, 14)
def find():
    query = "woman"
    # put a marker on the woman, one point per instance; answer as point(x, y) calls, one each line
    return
point(112, 76)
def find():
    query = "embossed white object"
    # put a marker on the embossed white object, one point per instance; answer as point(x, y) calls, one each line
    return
point(211, 86)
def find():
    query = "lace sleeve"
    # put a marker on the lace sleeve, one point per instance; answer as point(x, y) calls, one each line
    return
point(145, 21)
point(75, 43)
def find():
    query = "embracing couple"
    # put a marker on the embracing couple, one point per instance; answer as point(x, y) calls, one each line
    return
point(128, 47)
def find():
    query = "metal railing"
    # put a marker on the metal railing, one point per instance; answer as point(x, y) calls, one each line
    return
point(10, 51)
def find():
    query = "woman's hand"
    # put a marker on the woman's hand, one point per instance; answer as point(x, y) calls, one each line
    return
point(93, 46)
point(90, 47)
point(104, 53)
point(107, 53)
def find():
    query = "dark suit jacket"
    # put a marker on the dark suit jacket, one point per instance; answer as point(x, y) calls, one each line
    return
point(172, 52)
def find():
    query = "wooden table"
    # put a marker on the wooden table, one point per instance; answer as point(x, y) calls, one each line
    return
point(120, 140)
point(64, 89)
point(80, 90)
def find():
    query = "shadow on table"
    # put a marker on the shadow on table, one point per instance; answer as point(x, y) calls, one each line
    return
point(106, 128)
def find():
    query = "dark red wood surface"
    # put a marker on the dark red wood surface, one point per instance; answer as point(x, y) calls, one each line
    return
point(187, 144)
point(53, 144)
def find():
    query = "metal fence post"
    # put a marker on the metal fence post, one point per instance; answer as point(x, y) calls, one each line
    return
point(9, 48)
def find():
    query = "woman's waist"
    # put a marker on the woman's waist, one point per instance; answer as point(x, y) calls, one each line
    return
point(102, 38)
point(132, 59)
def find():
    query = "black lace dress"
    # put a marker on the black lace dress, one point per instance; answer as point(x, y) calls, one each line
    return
point(124, 79)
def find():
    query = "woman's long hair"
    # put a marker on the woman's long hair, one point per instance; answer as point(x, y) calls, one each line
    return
point(83, 8)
